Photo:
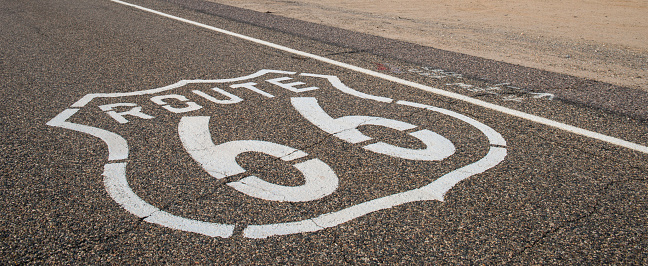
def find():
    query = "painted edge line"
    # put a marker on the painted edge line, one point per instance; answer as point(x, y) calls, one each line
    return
point(457, 96)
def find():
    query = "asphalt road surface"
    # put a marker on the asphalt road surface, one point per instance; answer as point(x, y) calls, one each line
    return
point(191, 132)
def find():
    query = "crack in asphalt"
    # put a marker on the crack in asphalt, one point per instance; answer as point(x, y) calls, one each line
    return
point(592, 210)
point(84, 244)
point(348, 52)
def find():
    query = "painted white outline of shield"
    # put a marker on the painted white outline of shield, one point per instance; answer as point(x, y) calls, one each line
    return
point(118, 188)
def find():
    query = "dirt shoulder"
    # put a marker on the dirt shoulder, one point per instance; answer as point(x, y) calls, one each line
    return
point(604, 40)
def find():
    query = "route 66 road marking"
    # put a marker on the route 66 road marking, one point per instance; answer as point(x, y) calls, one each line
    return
point(218, 159)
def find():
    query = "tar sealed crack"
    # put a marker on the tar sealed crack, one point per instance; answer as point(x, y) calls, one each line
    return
point(347, 52)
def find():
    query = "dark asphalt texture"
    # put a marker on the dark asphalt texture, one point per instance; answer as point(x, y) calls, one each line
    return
point(557, 198)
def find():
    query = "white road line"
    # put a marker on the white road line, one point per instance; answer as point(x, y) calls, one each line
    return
point(501, 109)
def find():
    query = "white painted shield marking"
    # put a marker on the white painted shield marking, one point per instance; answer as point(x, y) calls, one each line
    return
point(219, 160)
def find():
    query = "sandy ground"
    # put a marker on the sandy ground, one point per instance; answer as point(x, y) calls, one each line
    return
point(605, 40)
